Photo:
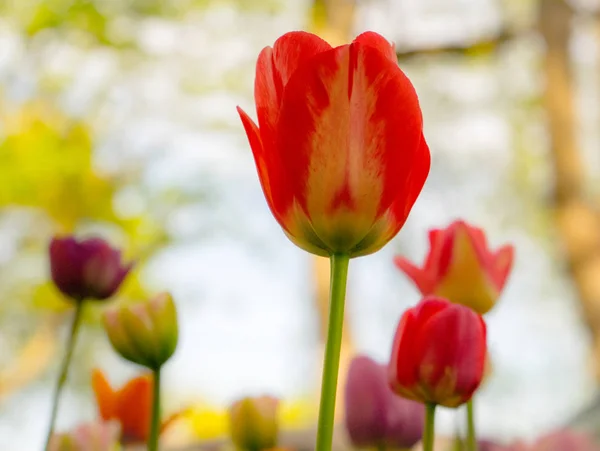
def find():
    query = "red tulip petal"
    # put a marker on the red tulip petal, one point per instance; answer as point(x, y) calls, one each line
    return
point(377, 41)
point(465, 273)
point(420, 277)
point(350, 121)
point(389, 224)
point(402, 371)
point(436, 238)
point(406, 198)
point(479, 242)
point(446, 250)
point(274, 68)
point(261, 160)
point(502, 265)
point(452, 349)
point(434, 235)
point(429, 307)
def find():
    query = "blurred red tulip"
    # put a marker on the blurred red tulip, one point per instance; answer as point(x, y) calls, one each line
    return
point(461, 267)
point(340, 151)
point(375, 416)
point(86, 269)
point(439, 353)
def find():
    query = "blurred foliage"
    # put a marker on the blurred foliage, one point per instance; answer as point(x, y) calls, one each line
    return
point(46, 162)
point(95, 17)
point(47, 167)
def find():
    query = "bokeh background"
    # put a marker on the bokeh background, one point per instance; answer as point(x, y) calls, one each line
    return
point(118, 118)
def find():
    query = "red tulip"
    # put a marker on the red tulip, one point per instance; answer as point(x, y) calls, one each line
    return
point(339, 147)
point(439, 353)
point(375, 416)
point(460, 267)
point(87, 269)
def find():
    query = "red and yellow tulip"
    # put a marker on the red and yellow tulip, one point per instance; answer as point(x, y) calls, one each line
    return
point(339, 146)
point(461, 267)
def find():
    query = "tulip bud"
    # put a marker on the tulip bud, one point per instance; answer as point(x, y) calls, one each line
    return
point(253, 422)
point(145, 333)
point(375, 416)
point(88, 437)
point(439, 353)
point(461, 268)
point(87, 269)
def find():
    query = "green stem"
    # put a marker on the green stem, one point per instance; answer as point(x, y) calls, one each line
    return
point(155, 418)
point(64, 369)
point(337, 295)
point(471, 436)
point(381, 447)
point(429, 432)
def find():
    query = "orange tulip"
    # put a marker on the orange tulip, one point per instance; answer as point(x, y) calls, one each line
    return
point(461, 267)
point(339, 147)
point(130, 405)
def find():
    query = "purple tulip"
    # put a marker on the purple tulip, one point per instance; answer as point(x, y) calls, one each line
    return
point(86, 269)
point(375, 416)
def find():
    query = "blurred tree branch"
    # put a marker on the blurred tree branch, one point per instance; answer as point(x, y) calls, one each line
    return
point(577, 218)
point(484, 45)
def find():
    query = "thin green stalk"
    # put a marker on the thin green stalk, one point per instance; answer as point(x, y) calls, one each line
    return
point(429, 432)
point(155, 418)
point(381, 447)
point(331, 364)
point(471, 436)
point(64, 369)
